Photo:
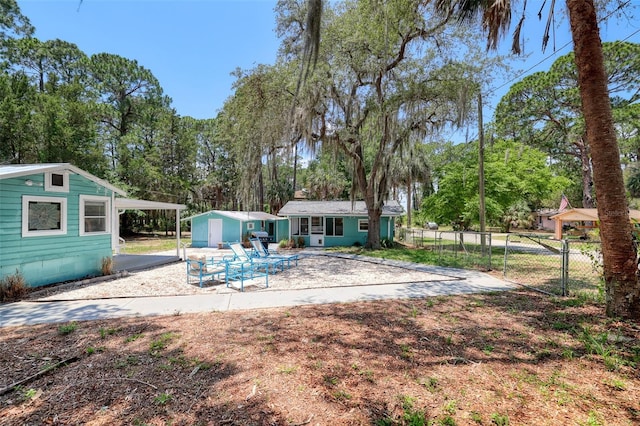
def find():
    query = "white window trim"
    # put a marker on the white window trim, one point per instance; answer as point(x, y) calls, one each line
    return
point(107, 219)
point(251, 226)
point(50, 188)
point(26, 199)
point(360, 222)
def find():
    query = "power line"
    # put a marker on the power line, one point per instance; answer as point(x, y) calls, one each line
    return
point(518, 76)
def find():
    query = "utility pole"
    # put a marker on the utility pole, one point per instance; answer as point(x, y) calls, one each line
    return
point(481, 174)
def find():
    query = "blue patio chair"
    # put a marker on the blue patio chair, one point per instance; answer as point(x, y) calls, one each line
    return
point(270, 265)
point(261, 252)
point(241, 271)
point(200, 268)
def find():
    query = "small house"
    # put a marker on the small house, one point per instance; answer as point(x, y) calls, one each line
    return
point(543, 221)
point(336, 223)
point(60, 223)
point(216, 227)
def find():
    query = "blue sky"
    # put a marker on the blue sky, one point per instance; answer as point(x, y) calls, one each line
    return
point(192, 46)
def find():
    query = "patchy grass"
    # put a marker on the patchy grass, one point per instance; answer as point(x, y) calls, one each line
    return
point(509, 358)
point(151, 244)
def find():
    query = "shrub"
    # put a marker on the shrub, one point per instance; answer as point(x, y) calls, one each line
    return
point(300, 242)
point(386, 243)
point(13, 287)
point(284, 243)
point(107, 265)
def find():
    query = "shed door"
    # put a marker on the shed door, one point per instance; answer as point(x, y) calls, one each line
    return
point(215, 232)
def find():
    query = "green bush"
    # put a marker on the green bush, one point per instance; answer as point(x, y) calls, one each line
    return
point(13, 287)
point(387, 243)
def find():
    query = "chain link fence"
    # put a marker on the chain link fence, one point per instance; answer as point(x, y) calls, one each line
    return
point(470, 249)
point(562, 268)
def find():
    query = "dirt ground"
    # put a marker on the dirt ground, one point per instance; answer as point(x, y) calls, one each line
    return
point(517, 358)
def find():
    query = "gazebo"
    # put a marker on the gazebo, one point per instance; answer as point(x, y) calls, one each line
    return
point(583, 215)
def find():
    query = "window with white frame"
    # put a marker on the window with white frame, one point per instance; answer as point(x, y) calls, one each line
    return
point(42, 216)
point(94, 215)
point(56, 182)
point(363, 225)
point(334, 227)
point(299, 225)
point(250, 226)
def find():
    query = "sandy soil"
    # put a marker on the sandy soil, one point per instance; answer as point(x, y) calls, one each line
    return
point(312, 271)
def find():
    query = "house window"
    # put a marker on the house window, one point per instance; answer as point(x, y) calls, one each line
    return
point(250, 226)
point(94, 215)
point(56, 182)
point(42, 216)
point(363, 225)
point(300, 226)
point(334, 227)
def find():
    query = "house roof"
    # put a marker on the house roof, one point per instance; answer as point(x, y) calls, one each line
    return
point(589, 215)
point(337, 208)
point(242, 216)
point(8, 171)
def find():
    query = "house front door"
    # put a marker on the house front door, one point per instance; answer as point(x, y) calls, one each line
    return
point(316, 238)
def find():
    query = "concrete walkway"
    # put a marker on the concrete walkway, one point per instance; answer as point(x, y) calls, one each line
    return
point(455, 281)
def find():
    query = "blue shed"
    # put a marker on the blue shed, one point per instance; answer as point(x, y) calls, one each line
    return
point(336, 223)
point(58, 222)
point(220, 226)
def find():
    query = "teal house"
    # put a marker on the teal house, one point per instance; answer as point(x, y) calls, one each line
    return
point(58, 222)
point(216, 227)
point(336, 223)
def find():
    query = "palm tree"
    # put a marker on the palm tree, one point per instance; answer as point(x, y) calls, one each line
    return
point(619, 254)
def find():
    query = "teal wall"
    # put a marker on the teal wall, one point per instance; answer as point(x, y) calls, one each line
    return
point(49, 259)
point(282, 227)
point(232, 229)
point(351, 235)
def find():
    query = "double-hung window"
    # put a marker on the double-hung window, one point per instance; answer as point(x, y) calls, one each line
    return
point(363, 225)
point(334, 227)
point(299, 226)
point(94, 215)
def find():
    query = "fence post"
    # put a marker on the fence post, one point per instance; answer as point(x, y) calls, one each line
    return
point(490, 250)
point(506, 250)
point(565, 267)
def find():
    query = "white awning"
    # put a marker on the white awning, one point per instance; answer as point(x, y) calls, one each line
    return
point(128, 203)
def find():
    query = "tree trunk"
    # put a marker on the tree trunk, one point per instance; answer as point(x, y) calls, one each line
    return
point(619, 255)
point(373, 234)
point(409, 200)
point(587, 175)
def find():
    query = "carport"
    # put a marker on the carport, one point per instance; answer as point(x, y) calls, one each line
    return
point(132, 262)
point(584, 216)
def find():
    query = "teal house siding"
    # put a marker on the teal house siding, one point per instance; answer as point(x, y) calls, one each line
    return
point(45, 259)
point(336, 223)
point(282, 227)
point(218, 226)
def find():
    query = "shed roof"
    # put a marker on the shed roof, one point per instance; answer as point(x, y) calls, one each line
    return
point(337, 208)
point(587, 215)
point(242, 216)
point(8, 171)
